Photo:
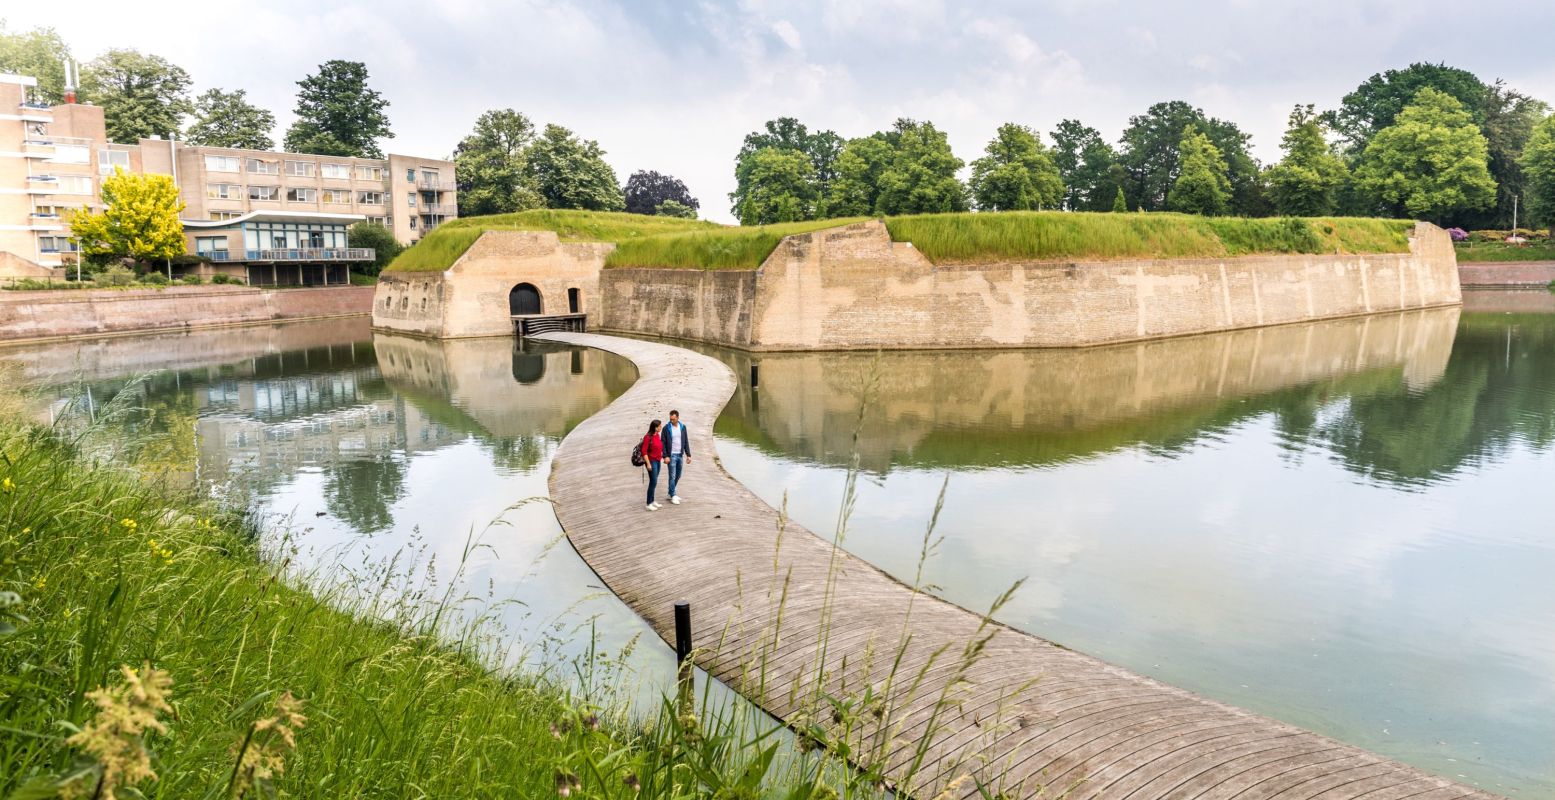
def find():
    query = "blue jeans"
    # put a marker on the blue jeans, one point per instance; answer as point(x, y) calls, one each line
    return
point(677, 463)
point(653, 478)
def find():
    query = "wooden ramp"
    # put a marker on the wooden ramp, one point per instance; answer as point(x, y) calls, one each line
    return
point(966, 701)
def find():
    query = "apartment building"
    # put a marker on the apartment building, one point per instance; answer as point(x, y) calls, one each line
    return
point(261, 216)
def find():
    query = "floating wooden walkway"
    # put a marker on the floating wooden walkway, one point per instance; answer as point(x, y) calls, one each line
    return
point(967, 700)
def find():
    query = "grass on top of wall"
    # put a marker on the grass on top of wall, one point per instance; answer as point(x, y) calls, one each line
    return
point(713, 249)
point(1480, 252)
point(1055, 235)
point(439, 249)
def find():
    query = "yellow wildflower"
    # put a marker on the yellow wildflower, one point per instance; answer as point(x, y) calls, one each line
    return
point(40, 583)
point(7, 485)
point(264, 753)
point(129, 524)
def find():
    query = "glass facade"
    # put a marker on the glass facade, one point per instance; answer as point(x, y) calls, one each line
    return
point(292, 235)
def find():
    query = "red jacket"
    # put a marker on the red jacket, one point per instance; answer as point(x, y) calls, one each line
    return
point(653, 447)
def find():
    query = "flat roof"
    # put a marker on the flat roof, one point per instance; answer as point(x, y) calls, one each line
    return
point(11, 77)
point(274, 216)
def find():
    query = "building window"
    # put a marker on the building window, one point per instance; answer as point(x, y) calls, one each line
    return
point(221, 164)
point(370, 198)
point(223, 191)
point(224, 215)
point(341, 196)
point(410, 174)
point(410, 199)
point(264, 192)
point(56, 244)
point(260, 166)
point(378, 220)
point(71, 154)
point(74, 184)
point(108, 159)
point(298, 195)
point(335, 170)
point(45, 211)
point(300, 169)
point(412, 223)
point(366, 173)
point(204, 245)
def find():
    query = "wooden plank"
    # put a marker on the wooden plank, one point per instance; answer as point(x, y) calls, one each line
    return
point(1001, 706)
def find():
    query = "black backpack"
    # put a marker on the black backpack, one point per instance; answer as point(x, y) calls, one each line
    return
point(637, 453)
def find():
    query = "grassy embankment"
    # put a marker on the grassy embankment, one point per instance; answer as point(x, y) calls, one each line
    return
point(1482, 252)
point(114, 581)
point(439, 249)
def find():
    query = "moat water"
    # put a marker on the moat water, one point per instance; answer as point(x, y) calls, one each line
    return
point(1343, 525)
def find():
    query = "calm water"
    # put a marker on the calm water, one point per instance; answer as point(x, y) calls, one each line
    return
point(373, 450)
point(1344, 525)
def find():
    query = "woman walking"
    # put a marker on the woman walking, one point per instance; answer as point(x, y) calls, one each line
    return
point(652, 449)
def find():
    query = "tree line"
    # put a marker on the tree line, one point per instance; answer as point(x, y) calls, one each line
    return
point(1428, 141)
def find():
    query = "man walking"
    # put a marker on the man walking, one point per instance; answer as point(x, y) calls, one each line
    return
point(677, 451)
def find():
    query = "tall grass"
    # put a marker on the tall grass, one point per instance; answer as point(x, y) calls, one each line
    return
point(1472, 252)
point(439, 249)
point(713, 249)
point(1052, 235)
point(385, 688)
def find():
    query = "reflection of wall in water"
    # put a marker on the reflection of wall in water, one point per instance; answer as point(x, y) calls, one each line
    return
point(509, 389)
point(970, 408)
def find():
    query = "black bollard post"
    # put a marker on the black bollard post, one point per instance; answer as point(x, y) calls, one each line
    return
point(755, 378)
point(683, 671)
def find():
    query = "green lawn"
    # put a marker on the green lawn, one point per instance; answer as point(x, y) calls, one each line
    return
point(1470, 252)
point(717, 248)
point(439, 249)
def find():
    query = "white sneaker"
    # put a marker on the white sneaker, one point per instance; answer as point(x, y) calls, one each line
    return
point(653, 506)
point(675, 499)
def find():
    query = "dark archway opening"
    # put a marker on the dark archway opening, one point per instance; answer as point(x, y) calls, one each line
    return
point(574, 301)
point(524, 299)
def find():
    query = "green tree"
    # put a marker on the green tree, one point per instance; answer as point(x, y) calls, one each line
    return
point(1378, 101)
point(491, 165)
point(338, 114)
point(1085, 161)
point(1119, 202)
point(1149, 157)
point(1538, 164)
point(647, 191)
point(569, 172)
point(227, 119)
point(921, 177)
point(856, 189)
point(1432, 162)
point(1017, 174)
point(1307, 181)
point(675, 208)
point(139, 220)
point(1201, 186)
point(41, 53)
point(377, 237)
point(1509, 121)
point(823, 148)
point(141, 95)
point(780, 187)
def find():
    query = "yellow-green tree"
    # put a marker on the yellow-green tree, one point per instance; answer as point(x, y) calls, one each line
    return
point(139, 219)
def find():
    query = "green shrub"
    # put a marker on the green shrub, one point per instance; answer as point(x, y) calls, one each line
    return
point(154, 279)
point(223, 278)
point(191, 280)
point(116, 275)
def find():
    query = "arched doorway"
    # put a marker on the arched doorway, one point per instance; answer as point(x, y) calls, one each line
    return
point(524, 299)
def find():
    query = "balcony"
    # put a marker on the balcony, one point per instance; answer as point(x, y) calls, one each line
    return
point(37, 148)
point(43, 178)
point(436, 184)
point(312, 254)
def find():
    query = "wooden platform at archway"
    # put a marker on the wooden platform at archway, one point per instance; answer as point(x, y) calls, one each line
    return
point(1021, 715)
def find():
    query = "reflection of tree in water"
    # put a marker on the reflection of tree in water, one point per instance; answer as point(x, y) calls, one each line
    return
point(519, 453)
point(1498, 388)
point(360, 491)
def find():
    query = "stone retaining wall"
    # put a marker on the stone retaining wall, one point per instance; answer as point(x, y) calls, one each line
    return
point(1507, 273)
point(98, 312)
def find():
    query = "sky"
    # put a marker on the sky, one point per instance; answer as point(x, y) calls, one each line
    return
point(675, 86)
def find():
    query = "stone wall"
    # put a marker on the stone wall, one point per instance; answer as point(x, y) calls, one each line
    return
point(1533, 274)
point(706, 306)
point(471, 297)
point(853, 288)
point(99, 312)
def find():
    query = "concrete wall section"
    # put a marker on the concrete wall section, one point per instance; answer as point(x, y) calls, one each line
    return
point(852, 288)
point(1536, 274)
point(703, 306)
point(90, 312)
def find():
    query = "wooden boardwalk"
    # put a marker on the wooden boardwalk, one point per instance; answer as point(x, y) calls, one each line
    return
point(965, 700)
